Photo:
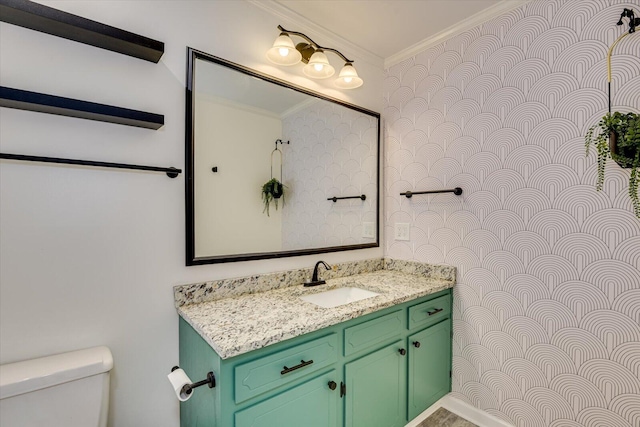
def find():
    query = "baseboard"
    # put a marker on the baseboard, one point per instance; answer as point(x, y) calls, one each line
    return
point(425, 414)
point(463, 409)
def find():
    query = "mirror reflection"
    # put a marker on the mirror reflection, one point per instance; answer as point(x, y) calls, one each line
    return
point(275, 170)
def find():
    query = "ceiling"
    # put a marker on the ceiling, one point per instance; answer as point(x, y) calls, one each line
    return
point(387, 27)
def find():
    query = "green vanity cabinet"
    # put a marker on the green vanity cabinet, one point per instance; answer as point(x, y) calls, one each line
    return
point(365, 372)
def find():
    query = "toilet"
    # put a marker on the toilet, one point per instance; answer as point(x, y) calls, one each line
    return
point(64, 390)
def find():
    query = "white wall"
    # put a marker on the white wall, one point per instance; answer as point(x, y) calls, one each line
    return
point(239, 141)
point(90, 256)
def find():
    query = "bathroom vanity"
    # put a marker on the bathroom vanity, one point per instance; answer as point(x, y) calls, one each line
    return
point(281, 361)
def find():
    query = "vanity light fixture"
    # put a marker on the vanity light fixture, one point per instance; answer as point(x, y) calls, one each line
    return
point(284, 52)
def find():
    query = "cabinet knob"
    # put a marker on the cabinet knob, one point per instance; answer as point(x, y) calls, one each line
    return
point(416, 344)
point(332, 385)
point(402, 351)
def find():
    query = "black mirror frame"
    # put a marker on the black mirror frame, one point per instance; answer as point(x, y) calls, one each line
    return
point(191, 259)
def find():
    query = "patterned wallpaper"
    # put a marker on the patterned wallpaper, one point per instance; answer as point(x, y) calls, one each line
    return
point(547, 309)
point(332, 152)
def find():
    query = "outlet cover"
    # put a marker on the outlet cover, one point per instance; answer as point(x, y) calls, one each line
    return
point(369, 230)
point(402, 231)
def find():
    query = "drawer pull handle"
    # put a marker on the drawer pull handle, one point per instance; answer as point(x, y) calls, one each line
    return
point(332, 385)
point(416, 344)
point(402, 351)
point(293, 368)
point(437, 310)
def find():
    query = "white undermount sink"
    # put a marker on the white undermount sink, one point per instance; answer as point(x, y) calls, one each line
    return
point(338, 297)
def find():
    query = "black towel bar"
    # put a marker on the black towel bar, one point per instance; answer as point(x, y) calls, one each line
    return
point(171, 172)
point(457, 191)
point(335, 199)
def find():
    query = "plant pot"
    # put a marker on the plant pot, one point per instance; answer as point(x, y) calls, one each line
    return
point(277, 191)
point(622, 156)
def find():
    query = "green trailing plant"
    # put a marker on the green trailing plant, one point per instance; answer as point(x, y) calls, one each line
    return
point(622, 133)
point(272, 192)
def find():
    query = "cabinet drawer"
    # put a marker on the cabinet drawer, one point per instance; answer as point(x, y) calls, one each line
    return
point(372, 332)
point(268, 372)
point(429, 312)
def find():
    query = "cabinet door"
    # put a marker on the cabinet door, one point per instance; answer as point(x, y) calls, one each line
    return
point(376, 389)
point(429, 367)
point(311, 404)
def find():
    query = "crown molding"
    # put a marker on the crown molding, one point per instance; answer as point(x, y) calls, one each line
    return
point(299, 107)
point(299, 23)
point(479, 18)
point(228, 103)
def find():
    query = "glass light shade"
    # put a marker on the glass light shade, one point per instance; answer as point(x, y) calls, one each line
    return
point(318, 66)
point(283, 51)
point(348, 78)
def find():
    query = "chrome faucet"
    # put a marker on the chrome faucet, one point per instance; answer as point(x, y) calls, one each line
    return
point(314, 279)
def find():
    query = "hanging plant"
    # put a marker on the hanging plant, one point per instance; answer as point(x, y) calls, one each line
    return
point(617, 136)
point(272, 191)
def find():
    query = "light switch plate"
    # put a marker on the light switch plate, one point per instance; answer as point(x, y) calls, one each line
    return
point(401, 231)
point(369, 230)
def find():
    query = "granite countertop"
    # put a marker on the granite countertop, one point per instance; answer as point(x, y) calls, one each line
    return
point(241, 323)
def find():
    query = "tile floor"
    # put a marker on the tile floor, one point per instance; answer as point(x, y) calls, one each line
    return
point(444, 418)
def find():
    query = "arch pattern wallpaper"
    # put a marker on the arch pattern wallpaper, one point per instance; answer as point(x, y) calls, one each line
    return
point(333, 152)
point(547, 305)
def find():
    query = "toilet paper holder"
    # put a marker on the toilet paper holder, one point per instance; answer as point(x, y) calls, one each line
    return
point(188, 388)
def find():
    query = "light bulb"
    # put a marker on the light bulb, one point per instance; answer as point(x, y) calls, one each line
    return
point(318, 66)
point(348, 78)
point(283, 51)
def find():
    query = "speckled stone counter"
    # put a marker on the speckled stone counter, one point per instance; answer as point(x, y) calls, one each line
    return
point(242, 322)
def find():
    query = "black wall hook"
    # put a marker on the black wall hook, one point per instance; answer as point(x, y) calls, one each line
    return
point(188, 388)
point(279, 141)
point(633, 21)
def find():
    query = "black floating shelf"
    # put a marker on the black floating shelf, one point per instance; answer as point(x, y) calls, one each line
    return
point(52, 21)
point(40, 102)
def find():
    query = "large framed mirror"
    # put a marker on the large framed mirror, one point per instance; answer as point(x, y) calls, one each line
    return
point(243, 129)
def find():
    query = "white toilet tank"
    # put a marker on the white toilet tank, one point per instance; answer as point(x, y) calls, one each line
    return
point(64, 390)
